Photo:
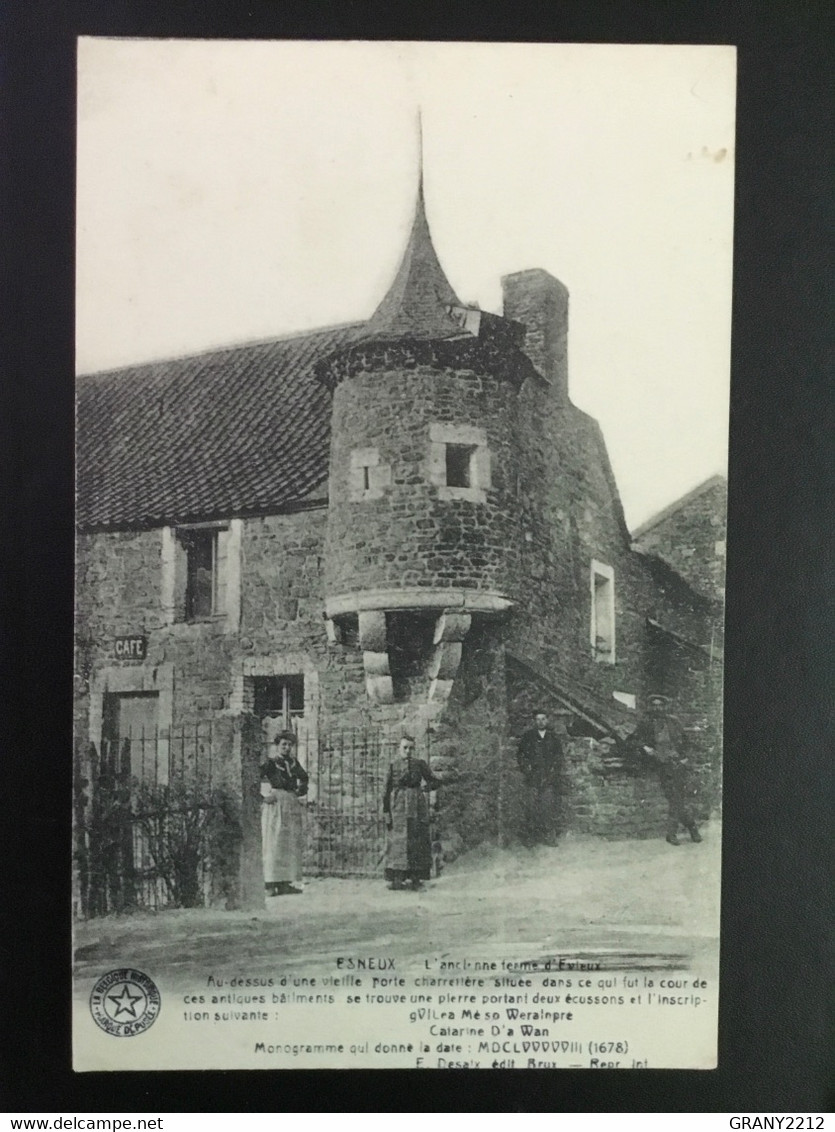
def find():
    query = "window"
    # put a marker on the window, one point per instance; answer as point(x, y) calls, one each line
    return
point(201, 574)
point(368, 477)
point(459, 459)
point(603, 612)
point(281, 697)
point(459, 462)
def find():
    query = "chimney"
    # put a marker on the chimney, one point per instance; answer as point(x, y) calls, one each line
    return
point(540, 303)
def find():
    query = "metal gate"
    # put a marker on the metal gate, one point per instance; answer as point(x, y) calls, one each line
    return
point(346, 828)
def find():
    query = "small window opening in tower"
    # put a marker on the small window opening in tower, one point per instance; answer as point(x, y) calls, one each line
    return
point(459, 460)
point(366, 477)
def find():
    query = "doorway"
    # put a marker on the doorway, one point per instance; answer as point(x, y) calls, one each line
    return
point(130, 734)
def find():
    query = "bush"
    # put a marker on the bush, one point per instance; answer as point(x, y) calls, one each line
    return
point(184, 833)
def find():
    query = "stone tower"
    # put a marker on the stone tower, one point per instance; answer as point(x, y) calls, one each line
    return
point(422, 531)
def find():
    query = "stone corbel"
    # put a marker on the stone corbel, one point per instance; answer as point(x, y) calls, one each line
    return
point(375, 658)
point(450, 631)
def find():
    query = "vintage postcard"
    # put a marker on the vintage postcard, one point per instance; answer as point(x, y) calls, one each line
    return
point(401, 447)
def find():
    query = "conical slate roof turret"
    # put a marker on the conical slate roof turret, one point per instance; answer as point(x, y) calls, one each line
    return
point(420, 302)
point(421, 321)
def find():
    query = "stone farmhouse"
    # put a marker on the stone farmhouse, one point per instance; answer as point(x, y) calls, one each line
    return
point(397, 524)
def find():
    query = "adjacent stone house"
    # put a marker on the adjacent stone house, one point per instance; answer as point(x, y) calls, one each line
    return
point(397, 524)
point(690, 536)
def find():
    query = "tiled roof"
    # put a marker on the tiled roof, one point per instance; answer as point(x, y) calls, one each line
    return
point(233, 431)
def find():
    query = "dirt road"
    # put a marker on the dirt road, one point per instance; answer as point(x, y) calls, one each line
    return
point(653, 902)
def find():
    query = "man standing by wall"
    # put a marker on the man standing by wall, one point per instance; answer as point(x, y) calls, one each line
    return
point(662, 739)
point(540, 759)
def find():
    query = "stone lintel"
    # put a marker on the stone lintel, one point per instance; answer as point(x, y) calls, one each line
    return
point(485, 602)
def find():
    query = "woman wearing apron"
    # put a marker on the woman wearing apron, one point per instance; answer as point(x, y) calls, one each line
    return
point(283, 783)
point(406, 806)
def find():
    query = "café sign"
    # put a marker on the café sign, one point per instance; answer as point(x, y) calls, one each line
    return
point(130, 648)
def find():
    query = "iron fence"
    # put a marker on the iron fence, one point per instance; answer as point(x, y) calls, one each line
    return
point(155, 825)
point(146, 810)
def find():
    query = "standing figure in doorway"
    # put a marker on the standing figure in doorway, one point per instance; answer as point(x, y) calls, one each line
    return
point(283, 783)
point(540, 759)
point(662, 738)
point(406, 806)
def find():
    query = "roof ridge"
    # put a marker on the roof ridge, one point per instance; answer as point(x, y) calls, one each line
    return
point(222, 348)
point(677, 504)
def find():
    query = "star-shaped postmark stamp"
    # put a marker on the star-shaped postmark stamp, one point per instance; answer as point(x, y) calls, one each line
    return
point(125, 1002)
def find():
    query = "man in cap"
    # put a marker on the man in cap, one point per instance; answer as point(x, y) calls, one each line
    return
point(661, 737)
point(540, 760)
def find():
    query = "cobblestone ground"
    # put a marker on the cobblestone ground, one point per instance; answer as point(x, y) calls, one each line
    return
point(641, 897)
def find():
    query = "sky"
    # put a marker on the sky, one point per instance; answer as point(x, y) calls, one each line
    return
point(237, 190)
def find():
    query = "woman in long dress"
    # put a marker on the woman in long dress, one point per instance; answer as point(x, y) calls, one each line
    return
point(406, 806)
point(283, 783)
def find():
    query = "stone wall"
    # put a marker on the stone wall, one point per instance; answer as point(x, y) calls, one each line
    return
point(118, 579)
point(281, 631)
point(690, 536)
point(406, 531)
point(597, 796)
point(611, 803)
point(569, 515)
point(470, 745)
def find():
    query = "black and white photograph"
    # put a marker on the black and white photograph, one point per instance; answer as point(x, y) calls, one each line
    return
point(401, 489)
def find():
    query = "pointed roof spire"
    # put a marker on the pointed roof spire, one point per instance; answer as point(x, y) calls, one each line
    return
point(420, 147)
point(418, 301)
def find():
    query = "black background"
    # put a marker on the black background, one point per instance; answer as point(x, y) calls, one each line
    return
point(775, 1047)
